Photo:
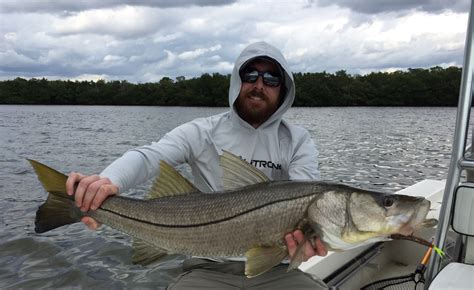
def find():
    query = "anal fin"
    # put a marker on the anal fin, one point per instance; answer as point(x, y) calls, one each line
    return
point(145, 254)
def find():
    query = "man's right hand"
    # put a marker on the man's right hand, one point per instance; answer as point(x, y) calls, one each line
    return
point(90, 192)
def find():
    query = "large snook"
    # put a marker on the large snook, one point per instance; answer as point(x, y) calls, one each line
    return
point(250, 220)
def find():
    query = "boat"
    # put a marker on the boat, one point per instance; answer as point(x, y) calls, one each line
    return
point(402, 264)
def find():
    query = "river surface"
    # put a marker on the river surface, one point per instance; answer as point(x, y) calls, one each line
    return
point(375, 148)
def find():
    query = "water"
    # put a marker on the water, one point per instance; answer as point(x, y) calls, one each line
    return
point(374, 148)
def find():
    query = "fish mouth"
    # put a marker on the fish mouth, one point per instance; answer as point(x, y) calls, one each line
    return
point(420, 212)
point(407, 230)
point(418, 220)
point(428, 223)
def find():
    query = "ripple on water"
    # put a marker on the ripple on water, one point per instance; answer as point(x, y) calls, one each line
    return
point(28, 259)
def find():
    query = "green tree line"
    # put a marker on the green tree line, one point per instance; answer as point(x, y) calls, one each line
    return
point(435, 86)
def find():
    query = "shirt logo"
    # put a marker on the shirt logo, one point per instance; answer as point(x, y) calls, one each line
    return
point(263, 163)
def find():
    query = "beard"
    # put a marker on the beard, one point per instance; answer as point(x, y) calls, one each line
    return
point(255, 107)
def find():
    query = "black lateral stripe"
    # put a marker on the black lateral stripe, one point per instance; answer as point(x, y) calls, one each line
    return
point(207, 223)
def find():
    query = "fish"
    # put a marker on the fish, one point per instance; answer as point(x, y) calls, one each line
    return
point(248, 218)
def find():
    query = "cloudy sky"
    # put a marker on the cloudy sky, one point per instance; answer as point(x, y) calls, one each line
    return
point(143, 41)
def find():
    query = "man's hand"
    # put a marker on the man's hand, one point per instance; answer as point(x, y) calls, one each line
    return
point(296, 238)
point(91, 223)
point(91, 191)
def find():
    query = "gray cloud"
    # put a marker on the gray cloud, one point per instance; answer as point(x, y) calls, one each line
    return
point(140, 44)
point(68, 6)
point(382, 6)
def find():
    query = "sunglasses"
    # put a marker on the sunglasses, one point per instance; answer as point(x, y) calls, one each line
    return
point(268, 78)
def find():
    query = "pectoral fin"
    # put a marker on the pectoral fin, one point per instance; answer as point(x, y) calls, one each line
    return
point(145, 254)
point(298, 257)
point(262, 258)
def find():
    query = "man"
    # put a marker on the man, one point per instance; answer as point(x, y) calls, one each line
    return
point(261, 91)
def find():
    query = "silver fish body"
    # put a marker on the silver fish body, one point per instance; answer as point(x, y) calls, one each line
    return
point(229, 223)
point(250, 220)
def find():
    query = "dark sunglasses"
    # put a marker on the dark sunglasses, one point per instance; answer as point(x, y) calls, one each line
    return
point(268, 78)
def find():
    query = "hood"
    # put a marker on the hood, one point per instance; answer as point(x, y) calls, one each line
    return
point(254, 50)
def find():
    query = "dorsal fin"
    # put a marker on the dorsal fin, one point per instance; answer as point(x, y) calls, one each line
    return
point(238, 173)
point(170, 182)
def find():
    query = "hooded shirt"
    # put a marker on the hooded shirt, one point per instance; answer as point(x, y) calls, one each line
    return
point(279, 149)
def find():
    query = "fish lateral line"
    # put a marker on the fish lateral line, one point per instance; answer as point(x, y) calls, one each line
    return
point(217, 221)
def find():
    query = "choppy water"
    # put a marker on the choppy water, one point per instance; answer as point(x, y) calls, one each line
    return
point(375, 148)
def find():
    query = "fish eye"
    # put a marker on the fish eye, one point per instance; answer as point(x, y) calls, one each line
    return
point(388, 201)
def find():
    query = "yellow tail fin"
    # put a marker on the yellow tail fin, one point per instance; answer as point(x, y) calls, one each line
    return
point(59, 208)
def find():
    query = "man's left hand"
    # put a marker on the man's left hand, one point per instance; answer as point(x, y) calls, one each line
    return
point(294, 239)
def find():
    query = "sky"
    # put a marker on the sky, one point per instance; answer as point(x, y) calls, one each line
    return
point(143, 41)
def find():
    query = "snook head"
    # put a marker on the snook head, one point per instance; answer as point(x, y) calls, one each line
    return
point(347, 218)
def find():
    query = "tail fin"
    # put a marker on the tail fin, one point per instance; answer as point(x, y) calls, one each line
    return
point(59, 208)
